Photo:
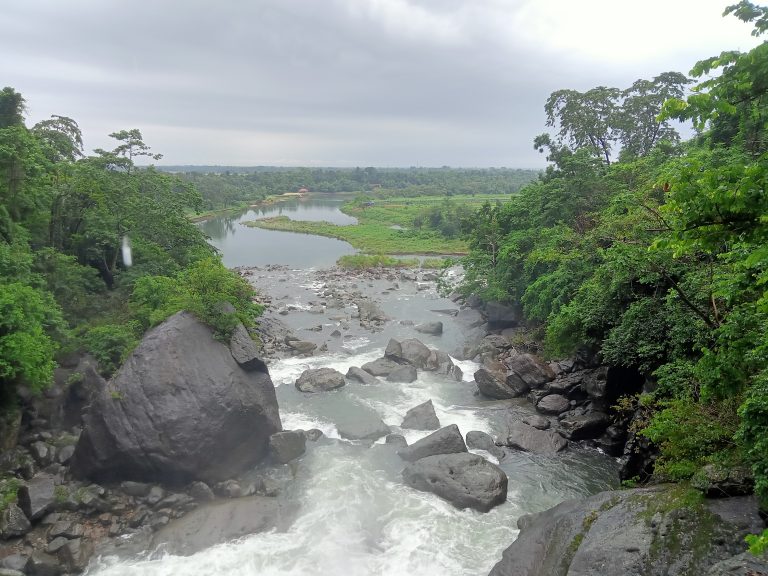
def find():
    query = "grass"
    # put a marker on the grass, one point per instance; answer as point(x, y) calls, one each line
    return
point(362, 261)
point(234, 209)
point(374, 234)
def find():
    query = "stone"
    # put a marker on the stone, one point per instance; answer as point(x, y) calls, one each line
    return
point(637, 532)
point(320, 380)
point(16, 562)
point(37, 496)
point(380, 367)
point(287, 445)
point(74, 555)
point(441, 363)
point(447, 440)
point(369, 427)
point(42, 564)
point(431, 328)
point(10, 572)
point(590, 425)
point(360, 375)
point(55, 544)
point(528, 368)
point(494, 381)
point(201, 492)
point(717, 481)
point(421, 417)
point(403, 374)
point(244, 350)
point(553, 404)
point(502, 315)
point(155, 495)
point(396, 440)
point(744, 564)
point(465, 480)
point(477, 440)
point(313, 434)
point(136, 489)
point(229, 489)
point(13, 522)
point(530, 439)
point(65, 453)
point(537, 421)
point(302, 346)
point(141, 427)
point(42, 452)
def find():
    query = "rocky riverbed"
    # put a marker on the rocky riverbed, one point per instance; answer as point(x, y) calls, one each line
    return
point(418, 431)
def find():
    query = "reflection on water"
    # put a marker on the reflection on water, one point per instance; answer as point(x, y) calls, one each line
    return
point(244, 246)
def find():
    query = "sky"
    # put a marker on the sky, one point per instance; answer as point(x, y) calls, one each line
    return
point(340, 82)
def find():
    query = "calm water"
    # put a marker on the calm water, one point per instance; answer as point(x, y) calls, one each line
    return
point(244, 246)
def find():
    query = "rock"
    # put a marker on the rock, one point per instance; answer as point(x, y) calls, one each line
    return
point(42, 452)
point(37, 496)
point(465, 480)
point(229, 489)
point(744, 564)
point(477, 440)
point(370, 427)
point(303, 346)
point(432, 328)
point(155, 495)
point(380, 367)
point(530, 439)
point(136, 489)
point(528, 368)
point(612, 441)
point(568, 385)
point(201, 492)
point(502, 315)
point(42, 564)
point(470, 318)
point(320, 380)
point(313, 434)
point(421, 417)
point(55, 544)
point(360, 375)
point(537, 421)
point(649, 531)
point(65, 454)
point(244, 350)
point(10, 572)
point(16, 562)
point(441, 363)
point(447, 440)
point(287, 445)
point(584, 427)
point(141, 427)
point(396, 440)
point(369, 312)
point(218, 522)
point(404, 374)
point(74, 555)
point(494, 381)
point(553, 404)
point(410, 351)
point(13, 522)
point(718, 482)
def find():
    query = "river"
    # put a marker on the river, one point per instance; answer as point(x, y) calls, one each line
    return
point(354, 514)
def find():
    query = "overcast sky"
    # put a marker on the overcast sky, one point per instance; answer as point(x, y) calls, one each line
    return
point(340, 82)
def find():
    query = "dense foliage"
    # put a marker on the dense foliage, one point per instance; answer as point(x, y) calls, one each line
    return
point(654, 253)
point(78, 235)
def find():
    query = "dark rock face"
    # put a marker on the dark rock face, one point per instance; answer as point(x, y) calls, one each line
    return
point(421, 417)
point(244, 351)
point(589, 425)
point(642, 532)
point(181, 408)
point(380, 367)
point(287, 445)
point(465, 480)
point(432, 328)
point(503, 316)
point(360, 375)
point(441, 363)
point(403, 374)
point(320, 380)
point(447, 440)
point(530, 439)
point(553, 404)
point(537, 421)
point(606, 384)
point(411, 351)
point(478, 440)
point(744, 564)
point(529, 369)
point(36, 497)
point(494, 381)
point(717, 482)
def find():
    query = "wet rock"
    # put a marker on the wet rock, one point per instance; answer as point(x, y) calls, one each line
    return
point(16, 562)
point(287, 445)
point(403, 374)
point(441, 363)
point(612, 440)
point(140, 427)
point(553, 404)
point(74, 555)
point(528, 368)
point(502, 315)
point(380, 367)
point(313, 434)
point(320, 380)
point(465, 480)
point(201, 492)
point(55, 544)
point(228, 489)
point(302, 346)
point(136, 489)
point(421, 417)
point(432, 328)
point(369, 428)
point(360, 375)
point(155, 495)
point(37, 496)
point(447, 440)
point(396, 440)
point(65, 453)
point(530, 439)
point(244, 350)
point(537, 421)
point(494, 381)
point(477, 440)
point(584, 427)
point(42, 564)
point(42, 452)
point(410, 351)
point(13, 522)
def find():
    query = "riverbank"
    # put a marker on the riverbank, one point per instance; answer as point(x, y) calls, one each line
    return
point(231, 210)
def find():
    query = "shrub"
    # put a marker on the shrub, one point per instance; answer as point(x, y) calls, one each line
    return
point(111, 344)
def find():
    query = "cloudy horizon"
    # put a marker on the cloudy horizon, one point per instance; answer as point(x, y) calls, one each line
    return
point(341, 82)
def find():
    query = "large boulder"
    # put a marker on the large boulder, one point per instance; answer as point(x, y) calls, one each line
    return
point(181, 408)
point(465, 480)
point(641, 532)
point(503, 315)
point(410, 351)
point(320, 380)
point(586, 426)
point(403, 374)
point(432, 328)
point(553, 404)
point(287, 445)
point(530, 439)
point(13, 522)
point(37, 496)
point(447, 440)
point(529, 369)
point(380, 367)
point(360, 375)
point(441, 363)
point(421, 417)
point(366, 427)
point(494, 381)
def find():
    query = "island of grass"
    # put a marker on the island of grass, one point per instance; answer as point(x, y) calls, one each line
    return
point(389, 226)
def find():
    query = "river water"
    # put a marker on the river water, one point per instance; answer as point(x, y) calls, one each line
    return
point(355, 517)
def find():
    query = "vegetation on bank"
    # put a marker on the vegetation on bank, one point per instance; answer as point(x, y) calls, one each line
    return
point(655, 257)
point(363, 261)
point(93, 250)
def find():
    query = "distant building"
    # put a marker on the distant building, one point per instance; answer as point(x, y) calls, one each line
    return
point(303, 190)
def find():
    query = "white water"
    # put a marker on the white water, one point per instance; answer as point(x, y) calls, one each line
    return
point(355, 516)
